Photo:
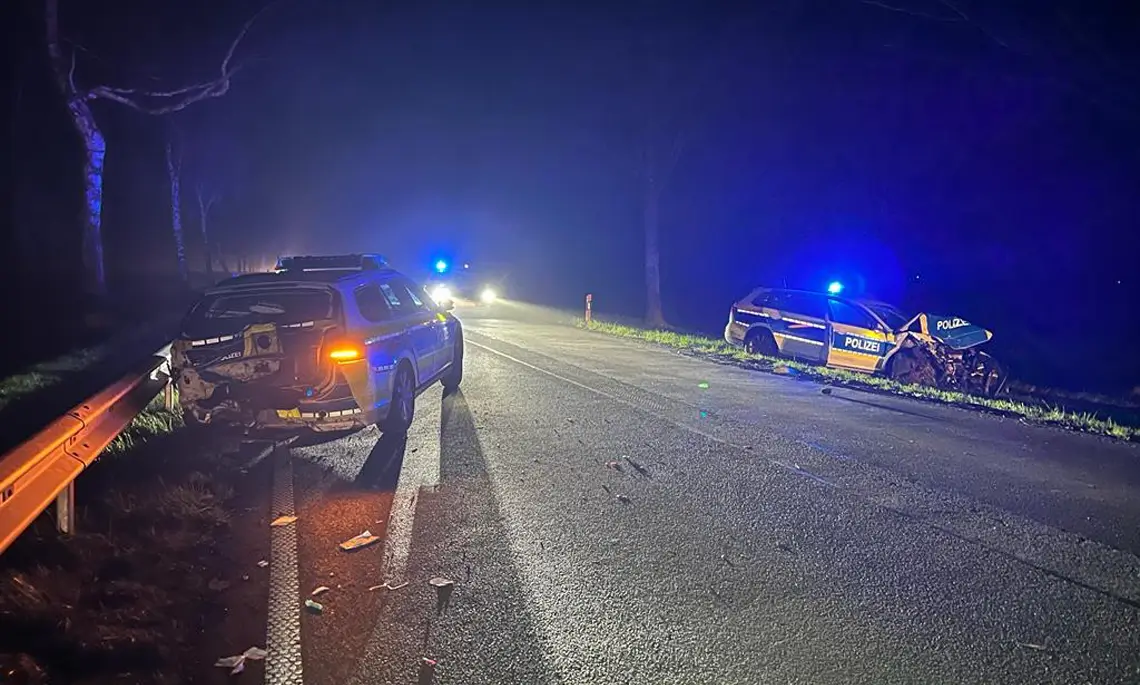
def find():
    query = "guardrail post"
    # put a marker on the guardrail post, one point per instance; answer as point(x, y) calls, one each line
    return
point(589, 303)
point(65, 509)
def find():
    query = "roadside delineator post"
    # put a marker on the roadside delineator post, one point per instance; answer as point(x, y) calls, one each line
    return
point(168, 396)
point(589, 303)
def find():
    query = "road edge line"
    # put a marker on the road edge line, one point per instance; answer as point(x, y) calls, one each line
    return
point(283, 622)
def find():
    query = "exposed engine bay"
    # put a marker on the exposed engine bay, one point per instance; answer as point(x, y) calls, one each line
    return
point(942, 352)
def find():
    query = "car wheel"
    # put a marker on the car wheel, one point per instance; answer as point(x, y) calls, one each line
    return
point(761, 342)
point(454, 375)
point(402, 407)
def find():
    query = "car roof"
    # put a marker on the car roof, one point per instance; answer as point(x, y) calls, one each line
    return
point(308, 277)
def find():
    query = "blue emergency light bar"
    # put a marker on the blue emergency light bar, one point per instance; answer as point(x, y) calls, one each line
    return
point(361, 262)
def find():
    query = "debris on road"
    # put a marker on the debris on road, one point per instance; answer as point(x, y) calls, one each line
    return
point(784, 370)
point(703, 385)
point(320, 591)
point(236, 664)
point(624, 499)
point(636, 466)
point(826, 390)
point(616, 466)
point(388, 586)
point(262, 564)
point(363, 540)
point(443, 589)
point(1030, 645)
point(314, 607)
point(427, 671)
point(283, 520)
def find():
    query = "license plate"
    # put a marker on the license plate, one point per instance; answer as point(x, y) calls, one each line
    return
point(289, 413)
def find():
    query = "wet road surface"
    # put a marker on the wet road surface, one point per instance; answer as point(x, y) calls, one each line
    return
point(600, 511)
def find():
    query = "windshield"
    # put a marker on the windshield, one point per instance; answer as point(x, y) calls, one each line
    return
point(265, 307)
point(891, 316)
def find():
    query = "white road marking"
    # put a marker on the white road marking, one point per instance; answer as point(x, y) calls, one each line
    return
point(283, 629)
point(420, 469)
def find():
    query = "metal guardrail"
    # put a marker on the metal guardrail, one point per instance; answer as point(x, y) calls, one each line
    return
point(44, 468)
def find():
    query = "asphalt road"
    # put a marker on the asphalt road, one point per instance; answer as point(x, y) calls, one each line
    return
point(611, 512)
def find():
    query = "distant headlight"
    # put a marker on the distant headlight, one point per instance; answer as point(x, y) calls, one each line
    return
point(441, 293)
point(488, 295)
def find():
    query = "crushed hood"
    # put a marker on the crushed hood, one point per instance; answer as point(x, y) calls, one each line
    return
point(953, 331)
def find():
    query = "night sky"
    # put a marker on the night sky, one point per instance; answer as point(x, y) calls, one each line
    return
point(955, 158)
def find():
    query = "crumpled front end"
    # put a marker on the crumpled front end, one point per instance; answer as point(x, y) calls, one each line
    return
point(941, 351)
point(264, 375)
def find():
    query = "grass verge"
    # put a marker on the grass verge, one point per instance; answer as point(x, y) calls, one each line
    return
point(130, 596)
point(153, 421)
point(47, 374)
point(721, 351)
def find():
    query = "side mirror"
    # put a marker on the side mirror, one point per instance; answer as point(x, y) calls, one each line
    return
point(447, 305)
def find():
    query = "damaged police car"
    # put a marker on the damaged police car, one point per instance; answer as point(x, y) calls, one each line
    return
point(864, 335)
point(327, 343)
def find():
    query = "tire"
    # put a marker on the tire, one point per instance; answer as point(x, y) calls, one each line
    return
point(454, 375)
point(761, 342)
point(402, 407)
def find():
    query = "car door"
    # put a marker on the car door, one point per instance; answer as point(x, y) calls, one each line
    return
point(437, 334)
point(799, 324)
point(857, 340)
point(416, 324)
point(374, 321)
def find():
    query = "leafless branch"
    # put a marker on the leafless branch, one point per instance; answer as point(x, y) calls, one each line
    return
point(206, 200)
point(104, 91)
point(138, 99)
point(913, 13)
point(959, 16)
point(71, 72)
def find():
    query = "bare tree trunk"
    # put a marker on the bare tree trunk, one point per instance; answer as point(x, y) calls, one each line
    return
point(205, 204)
point(654, 315)
point(222, 260)
point(205, 236)
point(95, 149)
point(174, 170)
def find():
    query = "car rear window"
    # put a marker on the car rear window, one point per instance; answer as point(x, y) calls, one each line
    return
point(264, 307)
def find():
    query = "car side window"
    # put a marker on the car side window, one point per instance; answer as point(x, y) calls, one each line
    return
point(805, 304)
point(408, 289)
point(390, 294)
point(372, 303)
point(401, 297)
point(844, 313)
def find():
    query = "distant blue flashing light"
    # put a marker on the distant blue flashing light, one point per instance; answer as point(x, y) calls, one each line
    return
point(441, 266)
point(834, 288)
